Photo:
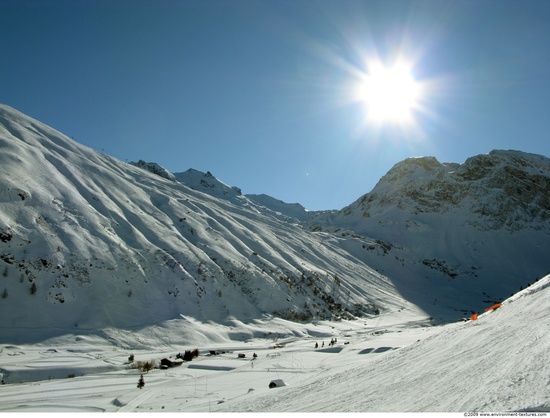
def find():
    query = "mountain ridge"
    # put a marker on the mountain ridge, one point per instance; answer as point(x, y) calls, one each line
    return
point(104, 243)
point(87, 241)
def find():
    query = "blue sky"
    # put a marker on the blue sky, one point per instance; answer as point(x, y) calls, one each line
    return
point(261, 92)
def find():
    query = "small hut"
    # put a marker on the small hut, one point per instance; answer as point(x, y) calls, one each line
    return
point(277, 383)
point(170, 362)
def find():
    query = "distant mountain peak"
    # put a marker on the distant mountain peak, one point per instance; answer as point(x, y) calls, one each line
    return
point(155, 169)
point(207, 183)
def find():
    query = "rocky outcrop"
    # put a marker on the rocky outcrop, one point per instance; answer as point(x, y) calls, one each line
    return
point(507, 189)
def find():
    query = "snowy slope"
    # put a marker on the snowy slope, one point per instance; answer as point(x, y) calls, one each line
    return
point(456, 236)
point(154, 168)
point(292, 210)
point(209, 184)
point(393, 362)
point(501, 362)
point(101, 260)
point(88, 242)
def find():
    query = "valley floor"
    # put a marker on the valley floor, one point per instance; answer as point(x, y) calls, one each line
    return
point(396, 362)
point(87, 373)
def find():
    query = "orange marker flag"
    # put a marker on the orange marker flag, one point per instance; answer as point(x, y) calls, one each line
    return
point(494, 307)
point(474, 317)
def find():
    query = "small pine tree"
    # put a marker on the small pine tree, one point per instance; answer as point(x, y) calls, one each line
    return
point(141, 382)
point(5, 294)
point(33, 288)
point(5, 274)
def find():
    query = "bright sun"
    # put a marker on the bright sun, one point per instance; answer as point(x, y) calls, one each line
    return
point(389, 93)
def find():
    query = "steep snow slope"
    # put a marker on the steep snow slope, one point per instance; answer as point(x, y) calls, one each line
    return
point(87, 241)
point(501, 362)
point(456, 236)
point(292, 210)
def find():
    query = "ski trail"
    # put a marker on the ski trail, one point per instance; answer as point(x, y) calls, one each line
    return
point(139, 399)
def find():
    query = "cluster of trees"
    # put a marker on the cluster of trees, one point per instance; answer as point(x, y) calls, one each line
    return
point(144, 366)
point(32, 290)
point(188, 355)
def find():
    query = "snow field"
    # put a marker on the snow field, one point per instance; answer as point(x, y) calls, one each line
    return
point(36, 376)
point(395, 362)
point(498, 363)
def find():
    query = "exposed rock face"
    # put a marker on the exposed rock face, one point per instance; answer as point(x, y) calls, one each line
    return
point(155, 169)
point(507, 189)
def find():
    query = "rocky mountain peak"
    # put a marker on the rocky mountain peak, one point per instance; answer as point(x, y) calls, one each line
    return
point(509, 189)
point(155, 169)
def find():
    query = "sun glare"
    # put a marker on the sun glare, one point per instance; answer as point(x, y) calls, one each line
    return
point(390, 94)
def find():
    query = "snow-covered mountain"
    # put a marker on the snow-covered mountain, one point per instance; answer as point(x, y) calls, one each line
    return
point(87, 241)
point(101, 260)
point(207, 183)
point(291, 210)
point(454, 234)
